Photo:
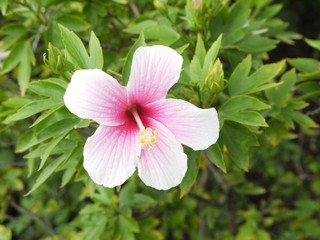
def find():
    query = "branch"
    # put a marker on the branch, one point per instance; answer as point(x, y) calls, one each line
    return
point(32, 216)
point(134, 8)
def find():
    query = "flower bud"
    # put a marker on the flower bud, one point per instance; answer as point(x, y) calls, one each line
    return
point(161, 5)
point(215, 77)
point(56, 60)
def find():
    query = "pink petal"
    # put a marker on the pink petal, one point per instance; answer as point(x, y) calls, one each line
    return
point(192, 126)
point(111, 154)
point(153, 72)
point(165, 166)
point(93, 94)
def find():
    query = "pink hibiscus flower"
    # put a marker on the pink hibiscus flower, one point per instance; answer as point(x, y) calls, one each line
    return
point(139, 127)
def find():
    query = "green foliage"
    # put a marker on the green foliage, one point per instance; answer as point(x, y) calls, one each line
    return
point(259, 181)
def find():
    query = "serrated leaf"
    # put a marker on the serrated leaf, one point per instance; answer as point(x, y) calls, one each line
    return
point(192, 171)
point(215, 156)
point(127, 64)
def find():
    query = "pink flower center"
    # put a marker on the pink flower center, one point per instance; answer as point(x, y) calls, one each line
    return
point(147, 137)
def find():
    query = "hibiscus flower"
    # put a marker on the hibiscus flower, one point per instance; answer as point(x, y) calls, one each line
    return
point(139, 127)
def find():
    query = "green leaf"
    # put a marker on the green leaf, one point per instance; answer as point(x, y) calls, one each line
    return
point(16, 102)
point(313, 43)
point(60, 127)
point(47, 172)
point(241, 72)
point(200, 52)
point(46, 115)
point(77, 53)
point(238, 139)
point(196, 73)
point(127, 64)
point(4, 6)
point(215, 156)
point(239, 103)
point(306, 65)
point(192, 171)
point(238, 15)
point(71, 166)
point(125, 228)
point(137, 28)
point(239, 83)
point(72, 22)
point(15, 32)
point(161, 34)
point(96, 54)
point(22, 55)
point(48, 88)
point(212, 54)
point(181, 49)
point(33, 108)
point(47, 149)
point(256, 44)
point(279, 95)
point(233, 110)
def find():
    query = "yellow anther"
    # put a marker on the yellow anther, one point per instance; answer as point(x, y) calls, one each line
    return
point(148, 138)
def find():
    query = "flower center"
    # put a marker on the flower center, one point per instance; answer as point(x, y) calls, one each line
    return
point(147, 137)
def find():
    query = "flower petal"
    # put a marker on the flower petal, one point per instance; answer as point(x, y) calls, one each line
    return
point(153, 72)
point(192, 126)
point(165, 166)
point(93, 94)
point(111, 154)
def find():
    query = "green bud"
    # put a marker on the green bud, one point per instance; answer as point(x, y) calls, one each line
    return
point(161, 5)
point(56, 60)
point(215, 77)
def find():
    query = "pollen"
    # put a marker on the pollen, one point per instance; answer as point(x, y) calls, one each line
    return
point(148, 138)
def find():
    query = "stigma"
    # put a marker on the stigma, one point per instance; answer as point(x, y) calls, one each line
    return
point(147, 137)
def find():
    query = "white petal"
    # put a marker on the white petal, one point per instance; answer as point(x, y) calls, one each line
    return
point(165, 166)
point(93, 94)
point(110, 155)
point(153, 72)
point(192, 126)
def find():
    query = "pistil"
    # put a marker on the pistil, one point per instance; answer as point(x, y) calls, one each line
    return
point(147, 137)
